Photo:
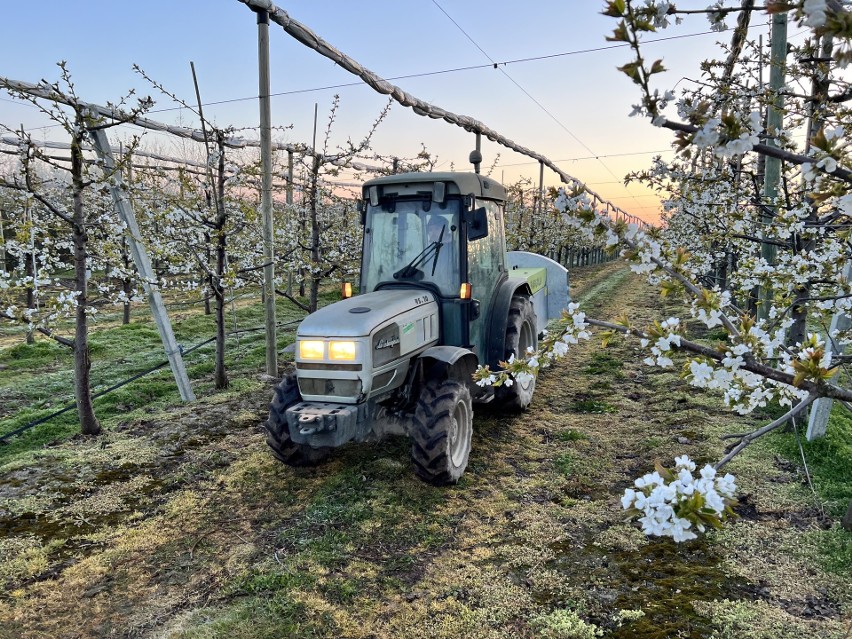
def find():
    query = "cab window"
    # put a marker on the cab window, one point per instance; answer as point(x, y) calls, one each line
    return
point(415, 234)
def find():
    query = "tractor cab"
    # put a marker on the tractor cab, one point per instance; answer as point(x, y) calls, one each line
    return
point(442, 232)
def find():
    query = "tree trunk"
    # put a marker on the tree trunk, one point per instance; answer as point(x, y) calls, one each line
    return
point(315, 238)
point(89, 424)
point(207, 295)
point(125, 283)
point(126, 287)
point(847, 520)
point(30, 293)
point(722, 280)
point(220, 375)
point(819, 94)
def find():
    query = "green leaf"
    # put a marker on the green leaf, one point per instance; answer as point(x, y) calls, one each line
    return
point(665, 473)
point(631, 70)
point(614, 9)
point(619, 34)
point(607, 337)
point(657, 67)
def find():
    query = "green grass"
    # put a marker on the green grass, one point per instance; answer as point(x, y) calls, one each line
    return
point(279, 579)
point(256, 618)
point(530, 543)
point(570, 435)
point(829, 459)
point(592, 406)
point(602, 363)
point(41, 354)
point(833, 549)
point(830, 464)
point(329, 526)
point(565, 463)
point(37, 379)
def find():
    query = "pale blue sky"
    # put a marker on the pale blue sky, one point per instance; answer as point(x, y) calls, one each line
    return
point(588, 99)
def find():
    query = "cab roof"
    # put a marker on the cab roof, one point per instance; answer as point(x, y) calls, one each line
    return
point(457, 184)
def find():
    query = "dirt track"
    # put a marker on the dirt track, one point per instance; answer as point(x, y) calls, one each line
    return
point(184, 526)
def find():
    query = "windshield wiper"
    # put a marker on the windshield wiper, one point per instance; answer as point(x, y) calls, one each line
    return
point(433, 249)
point(438, 250)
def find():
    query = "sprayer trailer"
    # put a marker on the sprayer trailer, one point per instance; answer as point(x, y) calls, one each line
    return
point(439, 295)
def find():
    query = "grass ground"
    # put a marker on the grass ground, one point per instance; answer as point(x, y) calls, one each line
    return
point(36, 380)
point(178, 523)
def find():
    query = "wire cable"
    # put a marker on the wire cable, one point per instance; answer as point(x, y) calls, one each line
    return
point(424, 74)
point(595, 157)
point(531, 97)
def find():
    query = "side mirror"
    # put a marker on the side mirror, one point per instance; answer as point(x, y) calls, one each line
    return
point(477, 224)
point(475, 310)
point(362, 209)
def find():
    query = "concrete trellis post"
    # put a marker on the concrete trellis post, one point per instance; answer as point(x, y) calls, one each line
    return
point(143, 265)
point(774, 123)
point(266, 193)
point(821, 409)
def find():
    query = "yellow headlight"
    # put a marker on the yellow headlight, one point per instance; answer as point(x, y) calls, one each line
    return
point(311, 349)
point(341, 350)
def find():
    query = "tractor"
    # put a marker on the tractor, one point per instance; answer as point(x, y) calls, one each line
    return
point(439, 295)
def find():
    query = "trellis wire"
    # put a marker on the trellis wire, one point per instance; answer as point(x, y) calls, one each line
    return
point(306, 36)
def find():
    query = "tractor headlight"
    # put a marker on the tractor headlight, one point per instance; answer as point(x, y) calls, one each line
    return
point(341, 351)
point(311, 349)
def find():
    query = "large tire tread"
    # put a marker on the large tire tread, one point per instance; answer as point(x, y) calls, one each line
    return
point(516, 398)
point(278, 433)
point(430, 447)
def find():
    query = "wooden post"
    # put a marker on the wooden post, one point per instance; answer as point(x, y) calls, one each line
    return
point(266, 192)
point(143, 264)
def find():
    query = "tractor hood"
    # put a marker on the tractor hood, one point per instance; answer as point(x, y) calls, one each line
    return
point(359, 316)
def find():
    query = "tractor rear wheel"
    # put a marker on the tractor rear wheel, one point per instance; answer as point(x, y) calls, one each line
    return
point(278, 432)
point(443, 428)
point(521, 334)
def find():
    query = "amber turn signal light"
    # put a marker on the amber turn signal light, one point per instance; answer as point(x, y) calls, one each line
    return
point(346, 290)
point(465, 291)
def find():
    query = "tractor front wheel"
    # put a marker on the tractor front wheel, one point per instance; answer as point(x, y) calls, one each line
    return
point(278, 432)
point(443, 428)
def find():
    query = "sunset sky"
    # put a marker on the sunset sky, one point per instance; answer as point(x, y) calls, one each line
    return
point(565, 99)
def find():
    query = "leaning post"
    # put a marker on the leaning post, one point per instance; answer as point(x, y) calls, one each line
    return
point(143, 264)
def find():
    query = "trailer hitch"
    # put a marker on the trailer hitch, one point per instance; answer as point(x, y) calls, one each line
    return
point(308, 419)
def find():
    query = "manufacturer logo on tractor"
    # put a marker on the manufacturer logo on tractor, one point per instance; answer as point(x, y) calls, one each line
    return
point(387, 343)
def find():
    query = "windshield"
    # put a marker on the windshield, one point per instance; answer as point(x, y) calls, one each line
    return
point(412, 244)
